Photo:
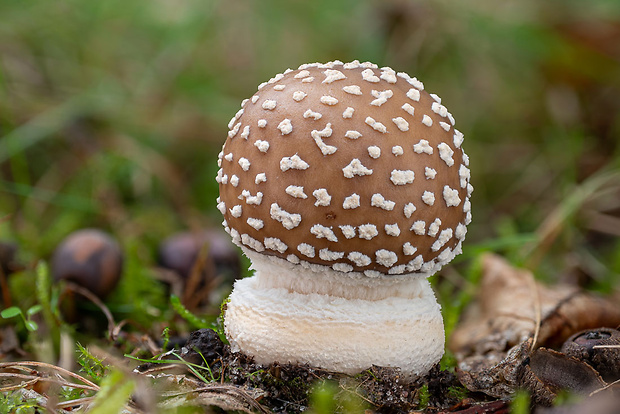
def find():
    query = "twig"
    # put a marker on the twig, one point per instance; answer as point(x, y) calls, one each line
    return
point(76, 402)
point(14, 375)
point(20, 385)
point(161, 368)
point(195, 277)
point(117, 329)
point(537, 309)
point(4, 365)
point(552, 226)
point(358, 395)
point(93, 298)
point(604, 388)
point(36, 378)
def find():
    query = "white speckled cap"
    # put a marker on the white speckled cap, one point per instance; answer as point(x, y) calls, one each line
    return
point(348, 166)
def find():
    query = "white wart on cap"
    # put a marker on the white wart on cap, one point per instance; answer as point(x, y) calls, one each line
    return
point(347, 166)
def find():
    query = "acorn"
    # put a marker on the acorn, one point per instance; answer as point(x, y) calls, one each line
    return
point(599, 349)
point(180, 252)
point(206, 264)
point(89, 258)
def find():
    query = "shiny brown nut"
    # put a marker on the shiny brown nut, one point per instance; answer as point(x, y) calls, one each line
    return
point(180, 251)
point(89, 258)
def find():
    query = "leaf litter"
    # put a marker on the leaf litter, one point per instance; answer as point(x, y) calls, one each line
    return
point(506, 338)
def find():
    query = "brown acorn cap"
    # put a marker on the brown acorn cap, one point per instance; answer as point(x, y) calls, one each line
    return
point(347, 166)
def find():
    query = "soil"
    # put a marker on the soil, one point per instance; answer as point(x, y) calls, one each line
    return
point(289, 388)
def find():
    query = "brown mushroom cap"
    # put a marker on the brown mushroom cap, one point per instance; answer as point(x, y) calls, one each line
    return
point(347, 166)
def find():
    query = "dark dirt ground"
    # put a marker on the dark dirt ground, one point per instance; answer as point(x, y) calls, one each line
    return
point(290, 388)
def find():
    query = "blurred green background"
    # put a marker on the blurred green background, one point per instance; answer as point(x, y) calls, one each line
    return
point(112, 113)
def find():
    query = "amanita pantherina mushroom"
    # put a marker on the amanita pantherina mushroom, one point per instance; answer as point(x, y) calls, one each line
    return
point(346, 186)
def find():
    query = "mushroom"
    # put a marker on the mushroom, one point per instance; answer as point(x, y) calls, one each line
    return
point(90, 258)
point(347, 187)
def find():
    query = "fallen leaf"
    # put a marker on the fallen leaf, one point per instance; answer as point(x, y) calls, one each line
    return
point(499, 379)
point(504, 314)
point(494, 343)
point(547, 372)
point(224, 396)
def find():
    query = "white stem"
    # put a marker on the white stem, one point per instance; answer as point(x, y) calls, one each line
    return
point(344, 324)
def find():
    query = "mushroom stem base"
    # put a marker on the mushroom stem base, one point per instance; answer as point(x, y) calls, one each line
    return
point(273, 323)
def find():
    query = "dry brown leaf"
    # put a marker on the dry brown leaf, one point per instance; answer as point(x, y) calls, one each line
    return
point(224, 396)
point(497, 379)
point(504, 314)
point(496, 337)
point(546, 372)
